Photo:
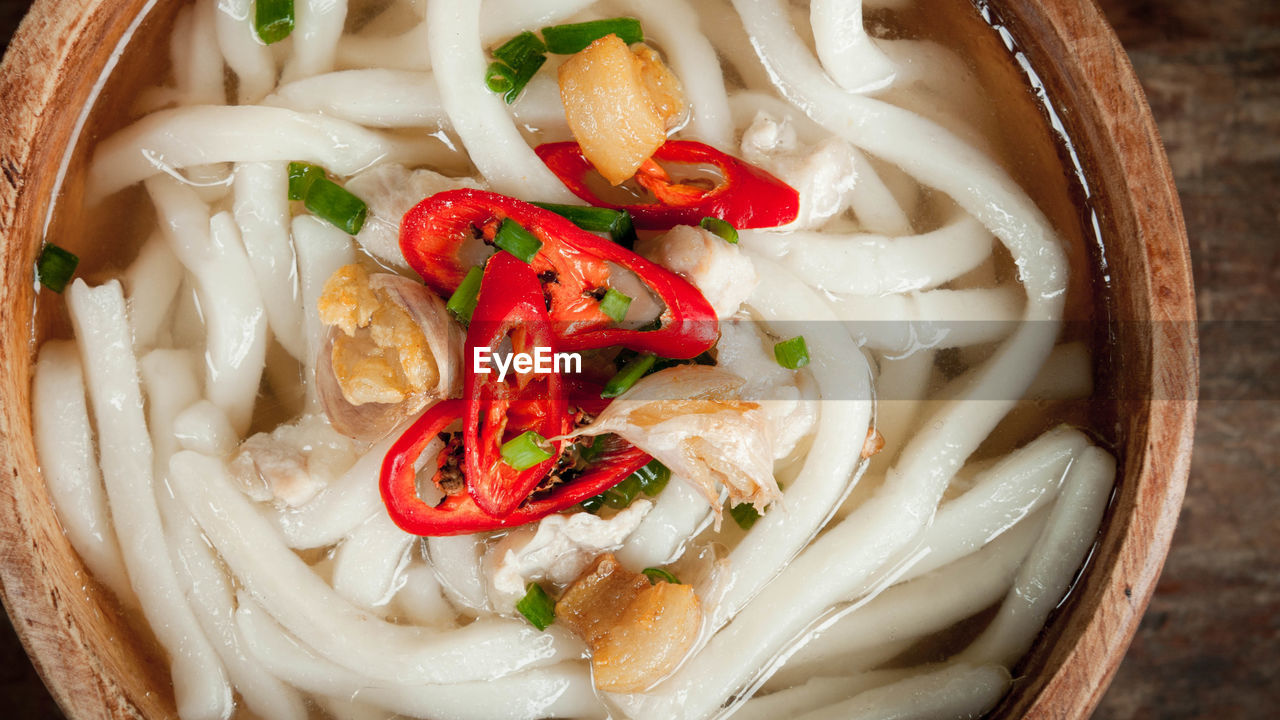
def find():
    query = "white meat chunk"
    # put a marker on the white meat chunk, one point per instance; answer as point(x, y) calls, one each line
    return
point(293, 463)
point(781, 393)
point(823, 174)
point(720, 270)
point(557, 550)
point(391, 190)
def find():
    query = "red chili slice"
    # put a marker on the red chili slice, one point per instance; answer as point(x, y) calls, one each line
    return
point(746, 196)
point(572, 266)
point(510, 304)
point(459, 514)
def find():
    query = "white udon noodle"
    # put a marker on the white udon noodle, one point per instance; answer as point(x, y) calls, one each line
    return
point(285, 603)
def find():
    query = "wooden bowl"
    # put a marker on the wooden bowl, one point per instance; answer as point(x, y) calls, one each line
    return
point(97, 667)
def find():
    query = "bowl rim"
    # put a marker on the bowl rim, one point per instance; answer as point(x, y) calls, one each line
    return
point(45, 51)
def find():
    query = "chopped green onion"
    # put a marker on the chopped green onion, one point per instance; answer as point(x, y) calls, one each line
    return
point(615, 304)
point(593, 503)
point(518, 61)
point(499, 78)
point(521, 50)
point(617, 223)
point(329, 200)
point(273, 20)
point(55, 267)
point(301, 177)
point(620, 496)
point(516, 240)
point(629, 375)
point(657, 574)
point(569, 39)
point(525, 450)
point(654, 476)
point(537, 607)
point(792, 354)
point(463, 300)
point(721, 228)
point(650, 480)
point(590, 453)
point(745, 515)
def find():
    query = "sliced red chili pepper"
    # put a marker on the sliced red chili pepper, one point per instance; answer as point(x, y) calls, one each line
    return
point(510, 304)
point(572, 265)
point(745, 197)
point(459, 514)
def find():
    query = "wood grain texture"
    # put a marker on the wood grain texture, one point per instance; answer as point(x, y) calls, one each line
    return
point(1111, 107)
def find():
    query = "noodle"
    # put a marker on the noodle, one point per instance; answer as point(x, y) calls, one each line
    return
point(212, 252)
point(64, 439)
point(99, 317)
point(959, 691)
point(150, 285)
point(368, 562)
point(848, 54)
point(374, 98)
point(178, 138)
point(262, 212)
point(340, 632)
point(503, 158)
point(315, 37)
point(867, 264)
point(250, 60)
point(562, 690)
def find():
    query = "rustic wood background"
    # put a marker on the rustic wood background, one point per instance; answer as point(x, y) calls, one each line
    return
point(1209, 646)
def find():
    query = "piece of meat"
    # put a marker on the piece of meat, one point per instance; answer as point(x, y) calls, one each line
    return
point(638, 633)
point(724, 275)
point(618, 104)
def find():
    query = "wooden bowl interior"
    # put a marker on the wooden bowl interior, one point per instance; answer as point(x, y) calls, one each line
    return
point(97, 667)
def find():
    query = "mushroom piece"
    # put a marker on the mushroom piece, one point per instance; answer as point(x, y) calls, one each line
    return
point(390, 349)
point(638, 633)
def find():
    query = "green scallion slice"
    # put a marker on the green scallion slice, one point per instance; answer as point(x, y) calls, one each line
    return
point(521, 50)
point(654, 476)
point(463, 300)
point(55, 267)
point(525, 450)
point(537, 607)
point(658, 574)
point(590, 453)
point(620, 496)
point(301, 177)
point(721, 228)
point(329, 200)
point(629, 375)
point(792, 354)
point(518, 61)
point(569, 39)
point(499, 78)
point(516, 240)
point(273, 20)
point(593, 503)
point(617, 223)
point(745, 515)
point(615, 304)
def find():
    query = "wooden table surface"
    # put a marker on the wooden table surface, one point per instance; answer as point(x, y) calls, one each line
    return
point(1209, 646)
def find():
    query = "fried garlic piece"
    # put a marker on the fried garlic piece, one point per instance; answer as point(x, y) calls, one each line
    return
point(381, 355)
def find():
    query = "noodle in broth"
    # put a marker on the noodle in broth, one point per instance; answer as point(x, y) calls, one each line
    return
point(930, 289)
